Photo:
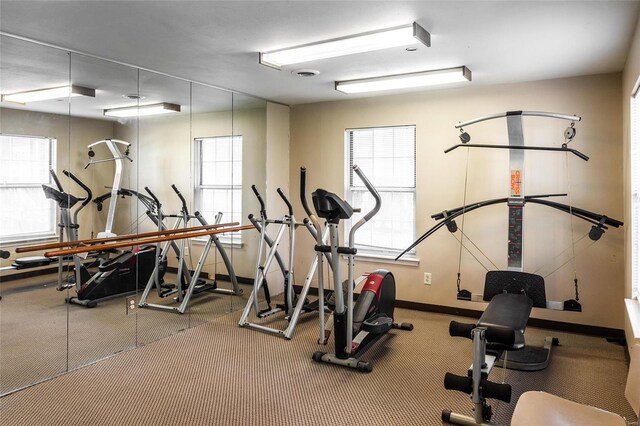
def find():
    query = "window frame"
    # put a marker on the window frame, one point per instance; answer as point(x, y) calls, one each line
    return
point(378, 252)
point(233, 238)
point(634, 190)
point(53, 231)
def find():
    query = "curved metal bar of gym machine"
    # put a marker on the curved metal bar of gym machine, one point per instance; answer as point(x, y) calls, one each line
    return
point(525, 113)
point(533, 148)
point(118, 158)
point(448, 216)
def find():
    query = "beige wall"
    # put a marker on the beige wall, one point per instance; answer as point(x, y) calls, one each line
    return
point(73, 135)
point(630, 76)
point(317, 142)
point(277, 168)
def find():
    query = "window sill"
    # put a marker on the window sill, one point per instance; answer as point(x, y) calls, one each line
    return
point(233, 245)
point(633, 313)
point(27, 240)
point(381, 258)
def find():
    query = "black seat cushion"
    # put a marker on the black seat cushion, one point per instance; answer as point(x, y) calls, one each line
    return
point(508, 311)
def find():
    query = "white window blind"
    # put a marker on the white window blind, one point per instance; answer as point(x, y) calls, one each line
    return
point(25, 212)
point(635, 191)
point(219, 179)
point(387, 156)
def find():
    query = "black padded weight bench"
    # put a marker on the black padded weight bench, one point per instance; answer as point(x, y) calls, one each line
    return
point(510, 312)
point(498, 332)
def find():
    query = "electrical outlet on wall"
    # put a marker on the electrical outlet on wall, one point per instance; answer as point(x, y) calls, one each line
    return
point(427, 278)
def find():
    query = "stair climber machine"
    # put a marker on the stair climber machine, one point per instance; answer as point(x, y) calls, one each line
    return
point(357, 325)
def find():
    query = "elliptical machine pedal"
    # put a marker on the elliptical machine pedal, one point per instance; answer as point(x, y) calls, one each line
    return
point(377, 324)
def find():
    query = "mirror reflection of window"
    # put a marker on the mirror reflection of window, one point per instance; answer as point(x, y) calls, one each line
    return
point(219, 179)
point(25, 162)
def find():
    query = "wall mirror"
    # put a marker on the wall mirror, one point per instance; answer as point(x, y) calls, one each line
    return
point(133, 151)
point(34, 139)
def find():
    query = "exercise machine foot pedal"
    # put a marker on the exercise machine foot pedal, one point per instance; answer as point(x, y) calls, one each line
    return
point(529, 358)
point(464, 295)
point(377, 324)
point(402, 326)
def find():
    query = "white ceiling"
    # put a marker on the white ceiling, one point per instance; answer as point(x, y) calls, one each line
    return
point(217, 42)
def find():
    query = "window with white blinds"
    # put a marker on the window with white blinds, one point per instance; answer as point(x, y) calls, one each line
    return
point(387, 156)
point(635, 191)
point(25, 212)
point(219, 179)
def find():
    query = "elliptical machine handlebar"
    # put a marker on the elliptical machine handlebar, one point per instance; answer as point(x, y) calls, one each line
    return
point(286, 201)
point(263, 210)
point(185, 210)
point(155, 199)
point(56, 180)
point(303, 191)
point(372, 212)
point(303, 199)
point(81, 184)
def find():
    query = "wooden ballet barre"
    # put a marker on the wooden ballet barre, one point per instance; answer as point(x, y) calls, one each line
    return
point(85, 249)
point(48, 246)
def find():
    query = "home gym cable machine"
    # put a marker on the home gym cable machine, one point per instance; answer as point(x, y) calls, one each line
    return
point(517, 200)
point(118, 158)
point(511, 293)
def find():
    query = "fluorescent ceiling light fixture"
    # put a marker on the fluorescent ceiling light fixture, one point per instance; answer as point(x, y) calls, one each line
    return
point(403, 81)
point(47, 94)
point(365, 42)
point(142, 110)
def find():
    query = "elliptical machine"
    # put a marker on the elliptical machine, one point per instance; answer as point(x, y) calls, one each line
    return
point(355, 326)
point(128, 271)
point(66, 202)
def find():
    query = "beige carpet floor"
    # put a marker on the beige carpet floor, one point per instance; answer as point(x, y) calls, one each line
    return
point(34, 318)
point(220, 374)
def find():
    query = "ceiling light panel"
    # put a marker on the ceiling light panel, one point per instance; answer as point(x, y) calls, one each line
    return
point(48, 94)
point(403, 81)
point(366, 42)
point(143, 110)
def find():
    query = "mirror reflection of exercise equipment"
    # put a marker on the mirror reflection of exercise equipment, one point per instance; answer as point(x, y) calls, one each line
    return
point(188, 283)
point(118, 158)
point(132, 240)
point(105, 276)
